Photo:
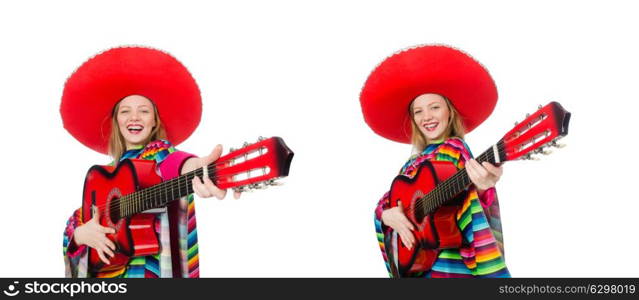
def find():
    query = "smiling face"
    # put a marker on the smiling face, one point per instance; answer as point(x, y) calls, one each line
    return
point(136, 120)
point(431, 115)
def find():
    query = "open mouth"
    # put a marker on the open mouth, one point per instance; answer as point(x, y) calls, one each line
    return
point(430, 126)
point(135, 128)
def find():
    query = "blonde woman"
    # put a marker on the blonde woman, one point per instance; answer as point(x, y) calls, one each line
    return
point(430, 96)
point(137, 103)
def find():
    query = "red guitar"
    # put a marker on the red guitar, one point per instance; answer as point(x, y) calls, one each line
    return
point(428, 197)
point(121, 193)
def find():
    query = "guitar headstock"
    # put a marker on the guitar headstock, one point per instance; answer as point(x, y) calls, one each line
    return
point(539, 130)
point(254, 166)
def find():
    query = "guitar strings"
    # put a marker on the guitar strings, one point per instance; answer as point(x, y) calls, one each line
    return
point(141, 197)
point(159, 189)
point(162, 189)
point(439, 195)
point(434, 198)
point(146, 195)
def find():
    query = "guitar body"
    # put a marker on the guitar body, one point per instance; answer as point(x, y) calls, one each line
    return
point(432, 232)
point(135, 235)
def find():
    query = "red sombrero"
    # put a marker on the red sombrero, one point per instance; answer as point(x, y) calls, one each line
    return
point(437, 69)
point(92, 91)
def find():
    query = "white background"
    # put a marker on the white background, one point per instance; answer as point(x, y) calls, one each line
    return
point(295, 70)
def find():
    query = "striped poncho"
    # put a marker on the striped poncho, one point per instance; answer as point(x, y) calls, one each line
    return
point(159, 265)
point(481, 253)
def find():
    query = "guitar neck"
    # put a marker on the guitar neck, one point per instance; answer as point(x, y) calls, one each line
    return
point(457, 183)
point(254, 166)
point(162, 194)
point(539, 130)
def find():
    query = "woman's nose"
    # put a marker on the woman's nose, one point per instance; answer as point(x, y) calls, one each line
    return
point(135, 116)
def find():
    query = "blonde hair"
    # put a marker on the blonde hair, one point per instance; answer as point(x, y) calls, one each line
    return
point(455, 127)
point(117, 144)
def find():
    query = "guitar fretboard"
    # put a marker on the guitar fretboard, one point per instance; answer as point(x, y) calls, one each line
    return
point(457, 183)
point(161, 194)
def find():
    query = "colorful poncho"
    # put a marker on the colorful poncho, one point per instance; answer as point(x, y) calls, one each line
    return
point(159, 265)
point(481, 253)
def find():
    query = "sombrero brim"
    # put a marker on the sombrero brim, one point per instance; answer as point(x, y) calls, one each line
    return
point(438, 69)
point(92, 91)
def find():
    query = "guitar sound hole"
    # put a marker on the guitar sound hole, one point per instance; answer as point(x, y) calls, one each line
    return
point(115, 217)
point(419, 216)
point(114, 211)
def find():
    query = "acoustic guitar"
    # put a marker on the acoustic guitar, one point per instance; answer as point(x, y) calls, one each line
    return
point(120, 194)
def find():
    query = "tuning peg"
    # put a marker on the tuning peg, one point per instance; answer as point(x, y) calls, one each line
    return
point(539, 107)
point(273, 182)
point(527, 115)
point(542, 150)
point(260, 138)
point(232, 149)
point(557, 145)
point(256, 186)
point(516, 123)
point(240, 189)
point(529, 156)
point(245, 144)
point(538, 150)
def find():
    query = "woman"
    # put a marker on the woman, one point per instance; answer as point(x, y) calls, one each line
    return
point(430, 96)
point(143, 99)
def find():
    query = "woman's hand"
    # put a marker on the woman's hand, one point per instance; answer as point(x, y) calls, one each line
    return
point(93, 235)
point(396, 219)
point(484, 175)
point(205, 188)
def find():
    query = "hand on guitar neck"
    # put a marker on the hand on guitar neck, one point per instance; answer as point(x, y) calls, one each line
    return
point(484, 175)
point(206, 188)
